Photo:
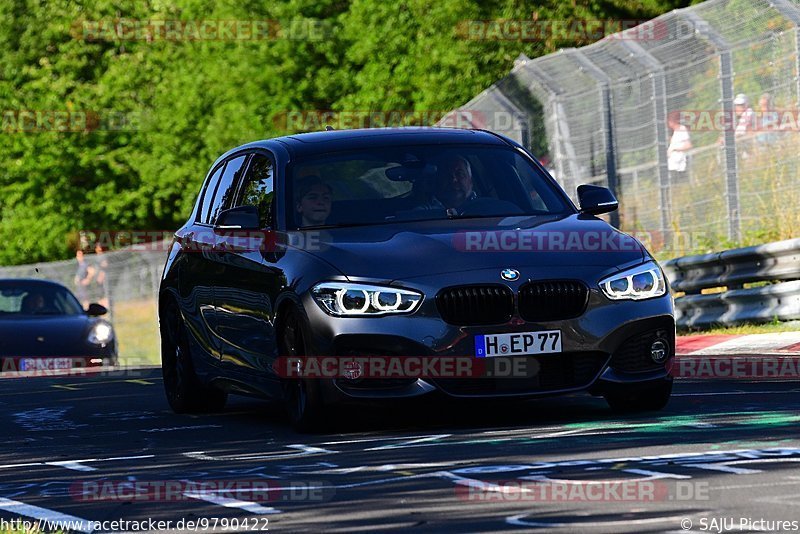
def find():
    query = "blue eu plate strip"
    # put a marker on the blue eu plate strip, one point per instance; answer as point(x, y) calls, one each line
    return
point(480, 347)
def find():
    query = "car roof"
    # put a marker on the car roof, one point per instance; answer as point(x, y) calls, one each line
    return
point(32, 281)
point(335, 140)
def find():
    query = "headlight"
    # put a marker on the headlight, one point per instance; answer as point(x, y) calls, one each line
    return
point(345, 299)
point(642, 282)
point(101, 333)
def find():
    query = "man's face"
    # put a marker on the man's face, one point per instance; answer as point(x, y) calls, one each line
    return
point(455, 183)
point(315, 206)
point(740, 108)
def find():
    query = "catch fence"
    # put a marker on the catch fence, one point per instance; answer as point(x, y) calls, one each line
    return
point(726, 70)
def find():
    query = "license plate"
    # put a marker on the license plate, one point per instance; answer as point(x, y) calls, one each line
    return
point(518, 344)
point(44, 364)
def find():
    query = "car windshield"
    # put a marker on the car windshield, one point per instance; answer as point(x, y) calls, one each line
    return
point(34, 299)
point(408, 183)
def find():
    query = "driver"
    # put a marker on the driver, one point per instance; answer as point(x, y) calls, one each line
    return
point(32, 303)
point(453, 187)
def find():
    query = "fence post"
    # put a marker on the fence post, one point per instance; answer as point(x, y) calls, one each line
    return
point(604, 83)
point(660, 104)
point(792, 13)
point(520, 117)
point(704, 29)
point(557, 155)
point(155, 277)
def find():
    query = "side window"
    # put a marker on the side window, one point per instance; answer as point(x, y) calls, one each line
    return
point(227, 187)
point(259, 189)
point(208, 195)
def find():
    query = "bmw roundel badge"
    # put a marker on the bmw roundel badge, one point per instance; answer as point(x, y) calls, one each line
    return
point(509, 274)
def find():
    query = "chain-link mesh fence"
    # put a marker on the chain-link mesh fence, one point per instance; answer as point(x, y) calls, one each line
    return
point(692, 118)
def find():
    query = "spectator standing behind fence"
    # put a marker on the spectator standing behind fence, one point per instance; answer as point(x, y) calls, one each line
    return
point(677, 153)
point(745, 116)
point(101, 275)
point(767, 121)
point(83, 278)
point(745, 124)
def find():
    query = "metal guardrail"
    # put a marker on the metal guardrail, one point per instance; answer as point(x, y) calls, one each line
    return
point(777, 263)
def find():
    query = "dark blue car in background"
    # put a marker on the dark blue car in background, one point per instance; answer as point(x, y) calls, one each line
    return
point(43, 328)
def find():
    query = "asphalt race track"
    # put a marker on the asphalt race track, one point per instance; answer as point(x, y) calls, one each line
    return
point(107, 448)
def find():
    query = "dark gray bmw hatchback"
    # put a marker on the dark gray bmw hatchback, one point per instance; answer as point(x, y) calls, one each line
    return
point(391, 263)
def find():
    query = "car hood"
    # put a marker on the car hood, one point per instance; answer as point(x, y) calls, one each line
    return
point(63, 335)
point(409, 250)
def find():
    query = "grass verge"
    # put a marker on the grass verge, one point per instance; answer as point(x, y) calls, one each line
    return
point(136, 325)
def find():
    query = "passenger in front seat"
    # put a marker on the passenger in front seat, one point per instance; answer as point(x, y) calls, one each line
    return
point(313, 201)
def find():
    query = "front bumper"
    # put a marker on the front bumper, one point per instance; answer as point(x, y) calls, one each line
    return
point(608, 346)
point(68, 359)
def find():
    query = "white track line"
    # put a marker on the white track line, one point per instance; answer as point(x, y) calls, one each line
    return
point(303, 450)
point(74, 464)
point(381, 438)
point(721, 466)
point(420, 442)
point(247, 506)
point(56, 520)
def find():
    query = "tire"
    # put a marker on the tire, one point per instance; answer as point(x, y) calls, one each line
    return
point(302, 397)
point(185, 393)
point(650, 398)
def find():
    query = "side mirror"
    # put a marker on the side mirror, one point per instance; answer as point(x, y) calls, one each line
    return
point(239, 218)
point(96, 310)
point(595, 200)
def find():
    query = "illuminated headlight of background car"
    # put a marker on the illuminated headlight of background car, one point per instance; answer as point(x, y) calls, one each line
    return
point(642, 282)
point(101, 333)
point(345, 299)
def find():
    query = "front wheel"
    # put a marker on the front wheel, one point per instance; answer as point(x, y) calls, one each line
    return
point(638, 398)
point(302, 396)
point(183, 389)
